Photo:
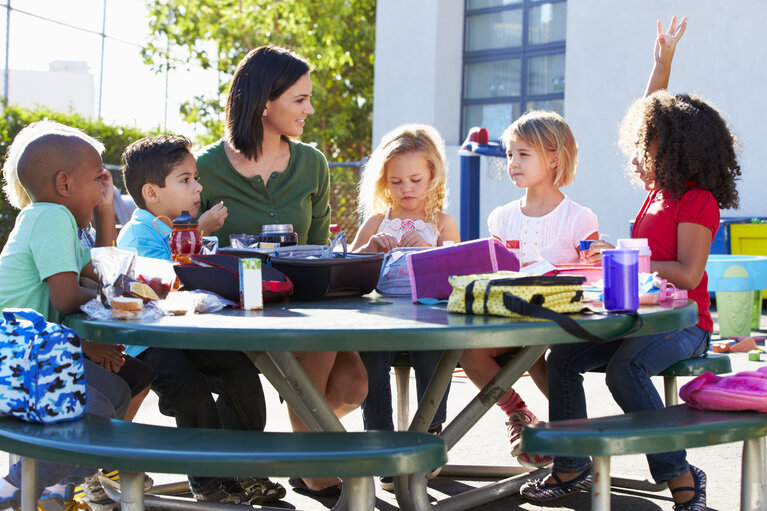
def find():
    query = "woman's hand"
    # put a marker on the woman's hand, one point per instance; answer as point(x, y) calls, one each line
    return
point(594, 253)
point(213, 219)
point(108, 356)
point(665, 44)
point(412, 238)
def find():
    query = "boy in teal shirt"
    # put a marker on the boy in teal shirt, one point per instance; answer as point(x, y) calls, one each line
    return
point(61, 171)
point(161, 176)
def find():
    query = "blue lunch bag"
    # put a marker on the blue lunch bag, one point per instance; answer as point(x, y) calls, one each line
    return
point(42, 376)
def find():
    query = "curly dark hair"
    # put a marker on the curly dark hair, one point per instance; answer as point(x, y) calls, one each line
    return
point(694, 145)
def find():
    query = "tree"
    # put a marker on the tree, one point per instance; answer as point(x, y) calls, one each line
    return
point(336, 36)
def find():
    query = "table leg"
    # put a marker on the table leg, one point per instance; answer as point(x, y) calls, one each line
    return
point(276, 377)
point(28, 484)
point(434, 392)
point(600, 490)
point(301, 391)
point(131, 491)
point(753, 487)
point(411, 491)
point(359, 494)
point(493, 391)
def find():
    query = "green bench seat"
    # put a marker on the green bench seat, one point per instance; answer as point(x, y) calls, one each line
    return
point(666, 429)
point(135, 448)
point(716, 363)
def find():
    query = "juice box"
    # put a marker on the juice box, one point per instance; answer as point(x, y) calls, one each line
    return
point(251, 296)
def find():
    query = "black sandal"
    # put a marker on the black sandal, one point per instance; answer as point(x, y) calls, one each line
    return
point(698, 500)
point(540, 491)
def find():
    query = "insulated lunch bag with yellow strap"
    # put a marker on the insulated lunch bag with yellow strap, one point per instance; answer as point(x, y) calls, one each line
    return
point(511, 294)
point(484, 293)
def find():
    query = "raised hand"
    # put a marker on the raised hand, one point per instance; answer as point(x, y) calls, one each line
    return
point(665, 44)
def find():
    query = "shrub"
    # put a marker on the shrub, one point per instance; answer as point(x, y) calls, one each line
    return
point(14, 118)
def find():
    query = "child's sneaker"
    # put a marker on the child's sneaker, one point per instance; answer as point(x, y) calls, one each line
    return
point(10, 496)
point(95, 495)
point(12, 503)
point(58, 501)
point(517, 421)
point(261, 490)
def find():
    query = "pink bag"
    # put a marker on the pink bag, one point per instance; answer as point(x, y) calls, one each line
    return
point(429, 270)
point(746, 390)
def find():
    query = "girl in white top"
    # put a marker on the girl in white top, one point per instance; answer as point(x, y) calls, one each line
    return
point(403, 192)
point(402, 195)
point(544, 224)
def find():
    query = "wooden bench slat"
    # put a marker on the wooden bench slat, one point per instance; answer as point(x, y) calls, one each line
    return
point(99, 442)
point(663, 430)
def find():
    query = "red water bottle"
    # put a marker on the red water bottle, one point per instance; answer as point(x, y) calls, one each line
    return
point(185, 239)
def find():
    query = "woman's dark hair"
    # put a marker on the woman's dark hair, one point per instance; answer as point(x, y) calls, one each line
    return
point(261, 76)
point(694, 145)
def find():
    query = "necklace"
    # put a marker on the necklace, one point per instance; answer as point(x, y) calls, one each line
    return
point(250, 168)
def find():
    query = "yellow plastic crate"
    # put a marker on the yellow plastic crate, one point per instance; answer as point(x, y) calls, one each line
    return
point(749, 239)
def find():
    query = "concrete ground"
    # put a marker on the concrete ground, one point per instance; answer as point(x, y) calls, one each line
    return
point(486, 444)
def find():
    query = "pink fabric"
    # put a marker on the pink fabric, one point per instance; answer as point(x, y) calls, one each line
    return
point(746, 390)
point(514, 403)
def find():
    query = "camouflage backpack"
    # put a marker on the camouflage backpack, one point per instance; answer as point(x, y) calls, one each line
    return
point(42, 375)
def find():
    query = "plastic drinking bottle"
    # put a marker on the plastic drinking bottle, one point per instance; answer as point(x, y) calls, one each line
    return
point(644, 251)
point(620, 269)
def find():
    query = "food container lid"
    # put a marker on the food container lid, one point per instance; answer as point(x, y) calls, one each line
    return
point(184, 219)
point(276, 228)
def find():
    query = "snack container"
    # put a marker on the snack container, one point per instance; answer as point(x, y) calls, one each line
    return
point(318, 279)
point(220, 274)
point(250, 284)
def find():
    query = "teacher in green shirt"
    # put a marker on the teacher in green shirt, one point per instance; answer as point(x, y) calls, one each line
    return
point(260, 174)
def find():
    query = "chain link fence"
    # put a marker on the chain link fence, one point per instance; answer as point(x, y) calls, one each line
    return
point(344, 181)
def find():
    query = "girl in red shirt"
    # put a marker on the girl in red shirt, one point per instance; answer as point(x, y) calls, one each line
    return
point(684, 155)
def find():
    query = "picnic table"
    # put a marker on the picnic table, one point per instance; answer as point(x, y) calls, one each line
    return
point(375, 323)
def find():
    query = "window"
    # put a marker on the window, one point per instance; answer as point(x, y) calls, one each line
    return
point(513, 61)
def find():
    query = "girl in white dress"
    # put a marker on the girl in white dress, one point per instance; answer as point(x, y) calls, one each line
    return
point(402, 195)
point(403, 192)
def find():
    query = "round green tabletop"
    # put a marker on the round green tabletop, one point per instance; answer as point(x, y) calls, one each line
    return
point(367, 323)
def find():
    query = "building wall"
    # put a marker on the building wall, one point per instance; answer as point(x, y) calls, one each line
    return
point(609, 57)
point(722, 57)
point(66, 86)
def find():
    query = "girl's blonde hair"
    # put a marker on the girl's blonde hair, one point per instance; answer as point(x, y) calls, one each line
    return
point(547, 131)
point(375, 198)
point(15, 193)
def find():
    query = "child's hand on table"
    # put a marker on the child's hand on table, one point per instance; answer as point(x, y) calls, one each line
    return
point(411, 238)
point(594, 254)
point(108, 356)
point(382, 242)
point(213, 219)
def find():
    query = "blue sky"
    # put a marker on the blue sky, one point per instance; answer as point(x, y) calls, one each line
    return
point(132, 93)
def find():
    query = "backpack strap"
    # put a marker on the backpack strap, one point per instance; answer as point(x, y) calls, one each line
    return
point(568, 324)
